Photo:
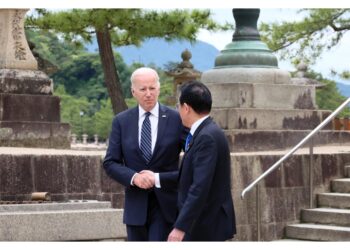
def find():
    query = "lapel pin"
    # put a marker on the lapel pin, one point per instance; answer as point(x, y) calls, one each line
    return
point(163, 115)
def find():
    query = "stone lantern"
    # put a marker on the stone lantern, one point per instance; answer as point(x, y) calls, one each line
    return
point(30, 114)
point(182, 73)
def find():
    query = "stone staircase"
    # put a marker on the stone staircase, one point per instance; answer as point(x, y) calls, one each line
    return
point(330, 221)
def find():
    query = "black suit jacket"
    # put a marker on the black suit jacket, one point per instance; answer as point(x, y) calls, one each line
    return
point(205, 202)
point(124, 158)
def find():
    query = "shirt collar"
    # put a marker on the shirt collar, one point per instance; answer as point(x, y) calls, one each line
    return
point(197, 124)
point(154, 111)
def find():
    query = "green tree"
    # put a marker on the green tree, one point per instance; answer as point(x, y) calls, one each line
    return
point(305, 40)
point(74, 111)
point(328, 96)
point(122, 27)
point(319, 31)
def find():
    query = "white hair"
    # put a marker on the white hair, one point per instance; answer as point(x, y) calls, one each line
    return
point(144, 70)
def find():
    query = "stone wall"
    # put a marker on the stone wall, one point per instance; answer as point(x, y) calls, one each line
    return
point(66, 177)
point(283, 193)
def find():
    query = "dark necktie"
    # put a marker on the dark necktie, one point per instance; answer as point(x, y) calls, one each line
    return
point(188, 140)
point(146, 138)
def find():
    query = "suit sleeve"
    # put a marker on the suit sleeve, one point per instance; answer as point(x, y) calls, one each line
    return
point(203, 164)
point(113, 161)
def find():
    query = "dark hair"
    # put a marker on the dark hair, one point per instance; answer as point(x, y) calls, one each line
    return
point(196, 95)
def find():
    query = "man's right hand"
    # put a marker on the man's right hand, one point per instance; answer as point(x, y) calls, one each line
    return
point(144, 180)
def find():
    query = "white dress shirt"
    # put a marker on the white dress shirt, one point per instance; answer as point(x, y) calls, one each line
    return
point(154, 131)
point(196, 124)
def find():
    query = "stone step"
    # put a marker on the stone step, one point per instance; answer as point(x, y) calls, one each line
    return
point(318, 232)
point(332, 216)
point(72, 205)
point(269, 119)
point(336, 200)
point(341, 185)
point(65, 225)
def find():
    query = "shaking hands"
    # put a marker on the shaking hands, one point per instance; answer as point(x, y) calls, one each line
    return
point(144, 179)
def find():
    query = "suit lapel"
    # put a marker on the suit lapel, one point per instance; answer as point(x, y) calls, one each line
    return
point(134, 128)
point(203, 124)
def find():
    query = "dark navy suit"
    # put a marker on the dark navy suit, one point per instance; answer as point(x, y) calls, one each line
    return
point(205, 203)
point(124, 159)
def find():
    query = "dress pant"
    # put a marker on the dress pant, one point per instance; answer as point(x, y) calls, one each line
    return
point(155, 229)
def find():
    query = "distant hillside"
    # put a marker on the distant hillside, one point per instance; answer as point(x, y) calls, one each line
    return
point(160, 52)
point(344, 89)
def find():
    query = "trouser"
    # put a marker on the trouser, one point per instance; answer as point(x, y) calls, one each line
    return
point(155, 229)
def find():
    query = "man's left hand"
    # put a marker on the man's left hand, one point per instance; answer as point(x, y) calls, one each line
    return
point(176, 235)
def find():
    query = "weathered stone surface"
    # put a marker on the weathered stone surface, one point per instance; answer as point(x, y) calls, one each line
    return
point(268, 96)
point(17, 81)
point(245, 75)
point(16, 175)
point(283, 194)
point(318, 232)
point(50, 173)
point(83, 222)
point(34, 134)
point(16, 107)
point(294, 171)
point(268, 119)
point(15, 52)
point(246, 140)
point(81, 176)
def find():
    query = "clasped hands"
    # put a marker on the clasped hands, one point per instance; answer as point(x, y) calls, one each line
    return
point(144, 179)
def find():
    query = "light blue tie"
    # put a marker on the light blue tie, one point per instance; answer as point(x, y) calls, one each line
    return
point(188, 140)
point(146, 138)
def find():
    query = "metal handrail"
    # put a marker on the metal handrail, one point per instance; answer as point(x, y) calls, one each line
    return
point(274, 166)
point(302, 142)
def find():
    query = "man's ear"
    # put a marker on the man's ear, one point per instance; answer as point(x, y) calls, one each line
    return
point(187, 107)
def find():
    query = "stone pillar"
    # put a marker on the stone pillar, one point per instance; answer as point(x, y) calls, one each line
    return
point(74, 139)
point(96, 139)
point(85, 136)
point(14, 52)
point(29, 114)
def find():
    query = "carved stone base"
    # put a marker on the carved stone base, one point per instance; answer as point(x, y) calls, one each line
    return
point(25, 82)
point(34, 134)
point(28, 120)
point(41, 108)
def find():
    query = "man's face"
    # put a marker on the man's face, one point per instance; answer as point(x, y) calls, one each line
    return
point(145, 90)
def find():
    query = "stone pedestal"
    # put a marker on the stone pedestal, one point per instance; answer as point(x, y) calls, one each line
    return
point(259, 105)
point(29, 114)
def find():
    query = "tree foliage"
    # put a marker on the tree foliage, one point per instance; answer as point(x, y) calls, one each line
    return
point(122, 27)
point(319, 31)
